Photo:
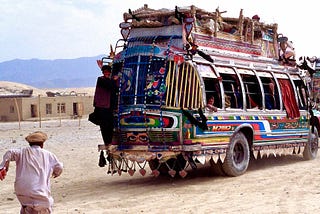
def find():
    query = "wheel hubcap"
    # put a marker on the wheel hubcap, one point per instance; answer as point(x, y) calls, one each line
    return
point(238, 154)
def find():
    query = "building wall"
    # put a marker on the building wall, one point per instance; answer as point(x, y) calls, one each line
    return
point(39, 107)
point(8, 109)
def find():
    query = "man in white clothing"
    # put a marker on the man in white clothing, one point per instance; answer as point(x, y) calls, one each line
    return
point(34, 167)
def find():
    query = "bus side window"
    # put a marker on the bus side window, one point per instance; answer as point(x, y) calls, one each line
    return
point(301, 94)
point(253, 91)
point(289, 99)
point(232, 90)
point(270, 93)
point(212, 88)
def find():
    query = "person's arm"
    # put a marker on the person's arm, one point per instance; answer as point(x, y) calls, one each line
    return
point(57, 167)
point(4, 166)
point(212, 108)
point(116, 81)
point(4, 170)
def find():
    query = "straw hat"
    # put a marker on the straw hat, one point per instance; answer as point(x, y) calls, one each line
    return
point(37, 137)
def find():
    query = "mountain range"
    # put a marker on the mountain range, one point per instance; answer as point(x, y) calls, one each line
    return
point(59, 73)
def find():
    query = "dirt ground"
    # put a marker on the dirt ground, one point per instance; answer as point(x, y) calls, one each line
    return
point(285, 184)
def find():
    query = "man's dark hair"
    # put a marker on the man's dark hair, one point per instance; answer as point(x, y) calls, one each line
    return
point(106, 68)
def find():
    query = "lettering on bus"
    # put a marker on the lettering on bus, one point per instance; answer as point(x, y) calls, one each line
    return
point(287, 125)
point(220, 128)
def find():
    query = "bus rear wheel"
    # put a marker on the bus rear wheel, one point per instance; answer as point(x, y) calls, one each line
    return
point(311, 149)
point(237, 156)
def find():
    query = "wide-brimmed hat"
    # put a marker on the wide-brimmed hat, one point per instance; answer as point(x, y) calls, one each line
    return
point(37, 137)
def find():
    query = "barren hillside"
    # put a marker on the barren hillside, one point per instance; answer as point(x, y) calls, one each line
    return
point(12, 88)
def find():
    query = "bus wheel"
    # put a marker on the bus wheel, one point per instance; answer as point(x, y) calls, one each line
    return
point(311, 149)
point(237, 156)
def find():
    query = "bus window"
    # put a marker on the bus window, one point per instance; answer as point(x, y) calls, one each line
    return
point(183, 86)
point(142, 81)
point(301, 94)
point(133, 81)
point(232, 90)
point(271, 93)
point(211, 84)
point(252, 91)
point(154, 82)
point(212, 88)
point(128, 83)
point(288, 97)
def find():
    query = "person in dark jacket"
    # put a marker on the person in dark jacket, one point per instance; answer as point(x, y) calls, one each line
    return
point(105, 102)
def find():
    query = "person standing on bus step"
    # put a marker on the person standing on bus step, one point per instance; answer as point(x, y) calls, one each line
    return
point(210, 105)
point(34, 167)
point(105, 102)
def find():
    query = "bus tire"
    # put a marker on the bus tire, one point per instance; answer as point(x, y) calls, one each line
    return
point(237, 156)
point(311, 149)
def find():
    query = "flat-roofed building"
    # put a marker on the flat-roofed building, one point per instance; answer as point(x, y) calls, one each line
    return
point(16, 107)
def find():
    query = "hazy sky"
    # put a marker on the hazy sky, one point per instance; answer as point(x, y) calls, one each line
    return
point(61, 29)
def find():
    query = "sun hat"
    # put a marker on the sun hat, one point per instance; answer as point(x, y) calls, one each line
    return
point(37, 137)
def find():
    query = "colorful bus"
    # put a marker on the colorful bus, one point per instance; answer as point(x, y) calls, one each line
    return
point(172, 62)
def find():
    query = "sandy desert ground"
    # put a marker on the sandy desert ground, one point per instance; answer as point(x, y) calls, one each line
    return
point(271, 185)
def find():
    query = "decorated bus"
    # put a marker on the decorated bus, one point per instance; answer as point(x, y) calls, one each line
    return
point(172, 62)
